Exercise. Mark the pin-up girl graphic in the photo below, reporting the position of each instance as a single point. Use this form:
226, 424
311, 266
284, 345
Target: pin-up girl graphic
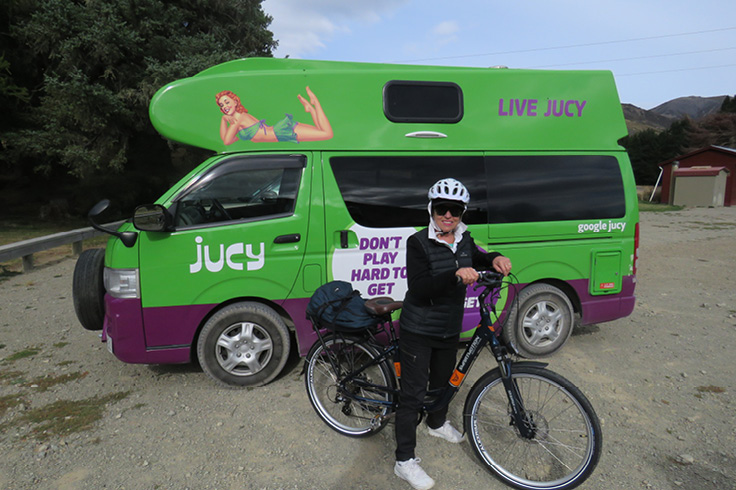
237, 124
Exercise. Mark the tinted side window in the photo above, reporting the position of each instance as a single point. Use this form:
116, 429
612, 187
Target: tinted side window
405, 101
242, 189
391, 191
551, 188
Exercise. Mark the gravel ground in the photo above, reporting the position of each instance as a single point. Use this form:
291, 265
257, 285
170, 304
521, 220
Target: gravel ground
662, 381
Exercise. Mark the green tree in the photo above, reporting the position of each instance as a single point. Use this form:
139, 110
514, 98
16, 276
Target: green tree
729, 104
81, 73
716, 129
648, 148
8, 87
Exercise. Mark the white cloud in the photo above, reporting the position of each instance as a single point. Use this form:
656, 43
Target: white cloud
444, 33
302, 27
446, 28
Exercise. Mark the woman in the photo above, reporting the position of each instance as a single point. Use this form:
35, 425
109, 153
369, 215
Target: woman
236, 124
441, 262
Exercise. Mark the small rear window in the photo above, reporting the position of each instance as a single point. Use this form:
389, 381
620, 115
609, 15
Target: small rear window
417, 102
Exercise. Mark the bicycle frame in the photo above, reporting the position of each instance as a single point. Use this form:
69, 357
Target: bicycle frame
485, 335
532, 428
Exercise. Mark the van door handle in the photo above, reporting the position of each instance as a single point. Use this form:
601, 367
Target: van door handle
293, 238
346, 239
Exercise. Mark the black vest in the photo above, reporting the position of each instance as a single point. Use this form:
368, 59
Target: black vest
442, 316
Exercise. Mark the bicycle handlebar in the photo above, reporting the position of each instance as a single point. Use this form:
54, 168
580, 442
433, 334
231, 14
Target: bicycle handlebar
489, 278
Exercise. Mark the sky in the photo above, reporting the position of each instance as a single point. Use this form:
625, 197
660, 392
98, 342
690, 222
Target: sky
657, 50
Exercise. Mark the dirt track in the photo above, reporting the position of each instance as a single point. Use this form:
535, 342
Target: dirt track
661, 380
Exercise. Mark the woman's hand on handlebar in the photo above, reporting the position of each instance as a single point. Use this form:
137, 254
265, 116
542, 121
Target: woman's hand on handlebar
502, 264
467, 275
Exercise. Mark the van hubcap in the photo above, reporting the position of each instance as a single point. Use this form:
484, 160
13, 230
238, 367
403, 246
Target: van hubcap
244, 349
542, 323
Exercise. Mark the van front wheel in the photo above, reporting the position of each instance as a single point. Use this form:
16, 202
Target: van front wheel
540, 322
244, 344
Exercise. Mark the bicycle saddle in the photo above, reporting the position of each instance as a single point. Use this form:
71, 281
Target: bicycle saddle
382, 305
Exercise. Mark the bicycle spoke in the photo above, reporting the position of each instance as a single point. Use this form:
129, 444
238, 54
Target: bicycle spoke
348, 403
562, 450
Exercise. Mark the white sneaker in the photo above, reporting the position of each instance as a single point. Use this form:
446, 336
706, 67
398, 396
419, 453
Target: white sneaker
447, 432
413, 473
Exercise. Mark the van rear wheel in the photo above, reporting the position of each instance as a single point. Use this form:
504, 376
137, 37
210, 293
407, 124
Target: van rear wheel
88, 290
540, 322
244, 344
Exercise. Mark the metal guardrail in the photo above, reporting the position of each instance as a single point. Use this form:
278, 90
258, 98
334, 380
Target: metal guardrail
26, 248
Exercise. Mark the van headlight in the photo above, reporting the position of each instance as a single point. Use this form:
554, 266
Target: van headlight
122, 283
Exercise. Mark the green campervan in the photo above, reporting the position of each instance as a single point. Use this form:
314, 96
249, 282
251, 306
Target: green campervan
319, 172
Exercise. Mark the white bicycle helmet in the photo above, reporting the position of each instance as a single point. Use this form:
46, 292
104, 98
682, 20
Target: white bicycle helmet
449, 189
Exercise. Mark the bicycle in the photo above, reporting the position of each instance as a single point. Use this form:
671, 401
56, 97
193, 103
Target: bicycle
529, 426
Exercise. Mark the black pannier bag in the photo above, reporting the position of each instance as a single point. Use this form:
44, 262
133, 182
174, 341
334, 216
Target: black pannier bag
337, 306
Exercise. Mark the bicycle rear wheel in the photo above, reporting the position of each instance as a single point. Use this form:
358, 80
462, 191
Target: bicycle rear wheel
566, 444
326, 365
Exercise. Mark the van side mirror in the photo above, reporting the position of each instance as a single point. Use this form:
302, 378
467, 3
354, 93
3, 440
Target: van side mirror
152, 217
127, 237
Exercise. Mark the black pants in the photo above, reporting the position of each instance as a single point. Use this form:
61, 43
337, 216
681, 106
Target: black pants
424, 361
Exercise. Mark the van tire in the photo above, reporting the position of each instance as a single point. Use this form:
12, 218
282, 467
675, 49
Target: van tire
540, 321
88, 289
244, 344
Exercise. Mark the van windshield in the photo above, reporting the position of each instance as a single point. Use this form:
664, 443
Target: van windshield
239, 193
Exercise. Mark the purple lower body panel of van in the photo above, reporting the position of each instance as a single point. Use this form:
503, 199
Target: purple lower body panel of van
598, 309
171, 341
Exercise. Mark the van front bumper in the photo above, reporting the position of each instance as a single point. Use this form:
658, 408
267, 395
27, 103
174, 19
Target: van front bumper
124, 325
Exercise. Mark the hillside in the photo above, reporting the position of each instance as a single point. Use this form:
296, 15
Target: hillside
695, 107
662, 116
638, 119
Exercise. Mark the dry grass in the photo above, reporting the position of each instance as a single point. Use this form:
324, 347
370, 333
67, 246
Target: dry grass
65, 417
711, 389
43, 383
22, 354
657, 207
9, 401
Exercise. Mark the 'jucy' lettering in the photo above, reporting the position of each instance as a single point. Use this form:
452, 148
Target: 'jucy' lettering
528, 108
227, 256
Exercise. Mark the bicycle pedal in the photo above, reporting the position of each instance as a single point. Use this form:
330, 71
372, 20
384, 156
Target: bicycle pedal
378, 420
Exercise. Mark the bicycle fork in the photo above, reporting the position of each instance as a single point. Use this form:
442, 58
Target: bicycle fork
519, 416
484, 335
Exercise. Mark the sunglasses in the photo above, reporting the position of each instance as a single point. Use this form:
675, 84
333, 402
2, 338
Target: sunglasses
455, 210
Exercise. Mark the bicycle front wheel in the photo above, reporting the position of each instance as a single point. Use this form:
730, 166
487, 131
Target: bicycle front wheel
326, 366
566, 434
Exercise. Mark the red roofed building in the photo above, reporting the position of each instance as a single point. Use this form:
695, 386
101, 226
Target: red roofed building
709, 162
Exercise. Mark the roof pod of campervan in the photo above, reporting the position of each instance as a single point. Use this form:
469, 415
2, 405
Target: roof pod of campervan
265, 104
